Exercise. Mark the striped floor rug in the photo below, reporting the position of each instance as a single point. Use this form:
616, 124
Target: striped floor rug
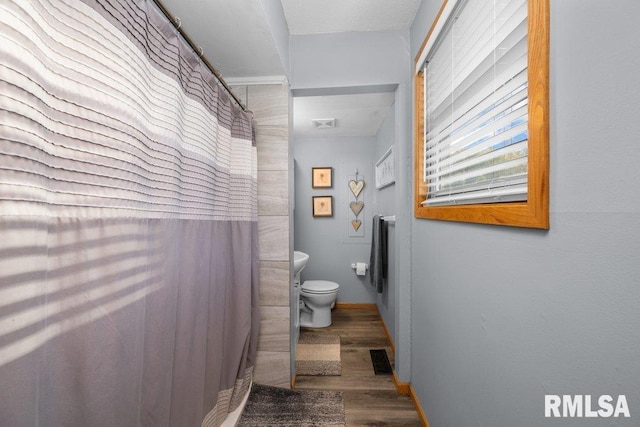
318, 354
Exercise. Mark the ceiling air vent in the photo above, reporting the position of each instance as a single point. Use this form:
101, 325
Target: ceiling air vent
323, 123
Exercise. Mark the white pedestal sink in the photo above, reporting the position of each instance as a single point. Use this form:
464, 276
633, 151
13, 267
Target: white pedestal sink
300, 259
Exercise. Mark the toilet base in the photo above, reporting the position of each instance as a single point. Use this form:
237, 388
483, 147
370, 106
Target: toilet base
315, 318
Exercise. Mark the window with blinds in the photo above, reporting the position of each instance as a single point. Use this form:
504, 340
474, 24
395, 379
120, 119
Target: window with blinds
475, 104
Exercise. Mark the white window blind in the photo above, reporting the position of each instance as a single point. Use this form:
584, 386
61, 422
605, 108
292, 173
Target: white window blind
476, 103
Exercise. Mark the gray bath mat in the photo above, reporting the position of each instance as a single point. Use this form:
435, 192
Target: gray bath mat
275, 406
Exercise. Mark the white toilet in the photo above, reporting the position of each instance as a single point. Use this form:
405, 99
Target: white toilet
319, 297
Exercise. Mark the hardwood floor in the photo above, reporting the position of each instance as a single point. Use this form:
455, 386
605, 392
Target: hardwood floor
369, 399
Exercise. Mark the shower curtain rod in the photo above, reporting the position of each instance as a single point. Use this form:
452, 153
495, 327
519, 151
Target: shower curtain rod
198, 51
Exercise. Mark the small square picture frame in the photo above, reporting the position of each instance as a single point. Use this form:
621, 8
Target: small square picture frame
322, 206
322, 177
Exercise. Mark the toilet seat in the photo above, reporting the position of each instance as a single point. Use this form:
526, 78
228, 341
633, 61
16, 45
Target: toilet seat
319, 287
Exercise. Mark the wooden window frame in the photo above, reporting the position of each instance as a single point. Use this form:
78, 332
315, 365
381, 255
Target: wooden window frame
534, 213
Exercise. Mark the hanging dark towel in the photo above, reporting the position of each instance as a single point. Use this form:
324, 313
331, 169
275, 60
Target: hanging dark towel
378, 260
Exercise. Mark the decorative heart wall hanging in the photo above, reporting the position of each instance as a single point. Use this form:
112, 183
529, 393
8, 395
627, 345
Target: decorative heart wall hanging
356, 187
356, 223
356, 207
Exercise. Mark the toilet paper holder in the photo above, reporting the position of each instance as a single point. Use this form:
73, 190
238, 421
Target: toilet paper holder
362, 264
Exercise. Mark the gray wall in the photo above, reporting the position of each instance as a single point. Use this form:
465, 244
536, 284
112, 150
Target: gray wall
279, 30
341, 61
385, 204
349, 60
502, 316
331, 250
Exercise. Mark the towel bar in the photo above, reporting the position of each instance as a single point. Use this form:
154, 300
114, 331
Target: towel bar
389, 218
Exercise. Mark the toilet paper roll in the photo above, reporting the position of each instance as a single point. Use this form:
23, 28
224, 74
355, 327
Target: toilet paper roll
361, 269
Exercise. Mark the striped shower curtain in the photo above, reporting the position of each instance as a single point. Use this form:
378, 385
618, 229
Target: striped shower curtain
128, 223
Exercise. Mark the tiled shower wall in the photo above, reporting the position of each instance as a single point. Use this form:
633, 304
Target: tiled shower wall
270, 106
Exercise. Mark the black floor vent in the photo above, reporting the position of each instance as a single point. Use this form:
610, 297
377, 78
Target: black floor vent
381, 365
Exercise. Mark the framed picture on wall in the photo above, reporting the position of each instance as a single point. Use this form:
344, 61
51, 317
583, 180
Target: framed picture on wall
322, 206
322, 177
385, 173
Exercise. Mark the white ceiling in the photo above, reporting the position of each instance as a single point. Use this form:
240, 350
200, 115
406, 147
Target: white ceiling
338, 16
236, 39
234, 35
355, 114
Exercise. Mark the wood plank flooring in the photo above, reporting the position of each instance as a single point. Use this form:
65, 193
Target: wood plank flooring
369, 399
